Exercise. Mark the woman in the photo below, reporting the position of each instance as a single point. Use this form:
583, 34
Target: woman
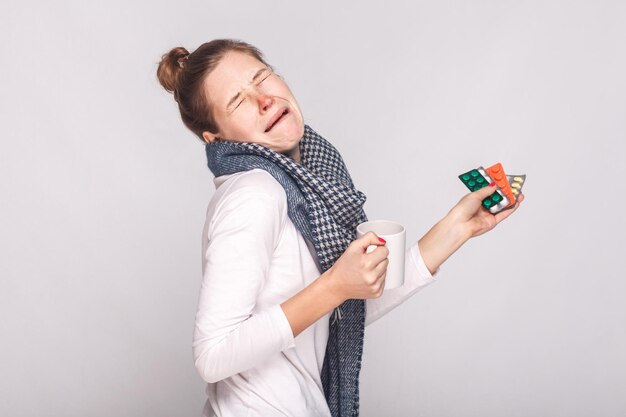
279, 247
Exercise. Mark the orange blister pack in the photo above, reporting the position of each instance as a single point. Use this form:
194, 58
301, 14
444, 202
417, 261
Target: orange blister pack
496, 172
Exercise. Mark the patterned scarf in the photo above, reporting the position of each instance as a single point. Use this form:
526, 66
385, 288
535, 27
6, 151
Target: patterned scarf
326, 208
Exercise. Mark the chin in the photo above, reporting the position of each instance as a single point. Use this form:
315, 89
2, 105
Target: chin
293, 133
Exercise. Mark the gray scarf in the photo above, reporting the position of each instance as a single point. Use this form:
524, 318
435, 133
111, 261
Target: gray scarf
326, 208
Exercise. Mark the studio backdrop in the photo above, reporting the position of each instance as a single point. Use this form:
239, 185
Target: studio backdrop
103, 197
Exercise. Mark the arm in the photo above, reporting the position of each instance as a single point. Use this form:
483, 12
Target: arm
464, 221
230, 335
423, 260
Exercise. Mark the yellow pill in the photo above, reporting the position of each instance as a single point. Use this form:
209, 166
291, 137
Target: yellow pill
514, 191
518, 179
516, 185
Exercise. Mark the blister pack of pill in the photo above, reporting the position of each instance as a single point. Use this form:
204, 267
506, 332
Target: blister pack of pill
508, 187
517, 182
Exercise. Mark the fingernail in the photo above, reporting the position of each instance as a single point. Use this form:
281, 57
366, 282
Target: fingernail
382, 240
492, 184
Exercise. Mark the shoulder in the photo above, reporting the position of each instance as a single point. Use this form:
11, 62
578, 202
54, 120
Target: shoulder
255, 181
254, 193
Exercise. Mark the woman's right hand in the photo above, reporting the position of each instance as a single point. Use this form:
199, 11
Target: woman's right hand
357, 274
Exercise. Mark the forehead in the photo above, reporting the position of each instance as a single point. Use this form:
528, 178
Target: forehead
233, 71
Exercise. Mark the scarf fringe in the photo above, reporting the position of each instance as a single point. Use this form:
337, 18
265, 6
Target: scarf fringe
336, 315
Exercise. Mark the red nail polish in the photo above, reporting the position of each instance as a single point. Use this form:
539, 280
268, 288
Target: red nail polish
382, 240
492, 184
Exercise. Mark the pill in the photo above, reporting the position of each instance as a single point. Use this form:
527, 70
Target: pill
517, 182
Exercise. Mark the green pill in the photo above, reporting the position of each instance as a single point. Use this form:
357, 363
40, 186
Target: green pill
474, 173
471, 183
466, 177
497, 197
487, 203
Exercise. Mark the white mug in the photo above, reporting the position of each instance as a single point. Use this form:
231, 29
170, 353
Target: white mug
395, 235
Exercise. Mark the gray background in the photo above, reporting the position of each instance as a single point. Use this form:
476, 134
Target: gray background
104, 194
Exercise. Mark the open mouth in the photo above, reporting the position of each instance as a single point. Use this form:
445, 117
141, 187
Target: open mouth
281, 117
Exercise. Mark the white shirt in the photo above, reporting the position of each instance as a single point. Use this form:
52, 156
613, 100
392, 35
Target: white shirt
253, 260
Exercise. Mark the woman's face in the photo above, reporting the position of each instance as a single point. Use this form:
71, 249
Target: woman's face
250, 103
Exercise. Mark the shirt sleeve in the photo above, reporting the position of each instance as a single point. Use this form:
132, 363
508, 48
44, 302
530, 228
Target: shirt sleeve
230, 335
416, 277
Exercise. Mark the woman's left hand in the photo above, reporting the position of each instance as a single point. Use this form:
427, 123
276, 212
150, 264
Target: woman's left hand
475, 219
465, 220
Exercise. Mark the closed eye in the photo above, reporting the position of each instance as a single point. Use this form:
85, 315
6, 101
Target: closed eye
257, 84
264, 79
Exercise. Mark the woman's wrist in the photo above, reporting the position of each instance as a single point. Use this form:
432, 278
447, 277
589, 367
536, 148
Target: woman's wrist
441, 241
329, 284
311, 303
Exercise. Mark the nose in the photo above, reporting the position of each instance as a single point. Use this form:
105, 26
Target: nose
265, 102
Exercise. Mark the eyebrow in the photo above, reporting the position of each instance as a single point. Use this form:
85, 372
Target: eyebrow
236, 96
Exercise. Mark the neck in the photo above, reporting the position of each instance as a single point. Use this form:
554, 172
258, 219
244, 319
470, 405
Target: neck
294, 153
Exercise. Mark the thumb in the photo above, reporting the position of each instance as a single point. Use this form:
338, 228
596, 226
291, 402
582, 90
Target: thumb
485, 191
370, 238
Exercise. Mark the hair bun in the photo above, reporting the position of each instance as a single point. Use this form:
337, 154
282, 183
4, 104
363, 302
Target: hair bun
171, 67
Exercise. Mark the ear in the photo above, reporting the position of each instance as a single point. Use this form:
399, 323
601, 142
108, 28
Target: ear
209, 137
